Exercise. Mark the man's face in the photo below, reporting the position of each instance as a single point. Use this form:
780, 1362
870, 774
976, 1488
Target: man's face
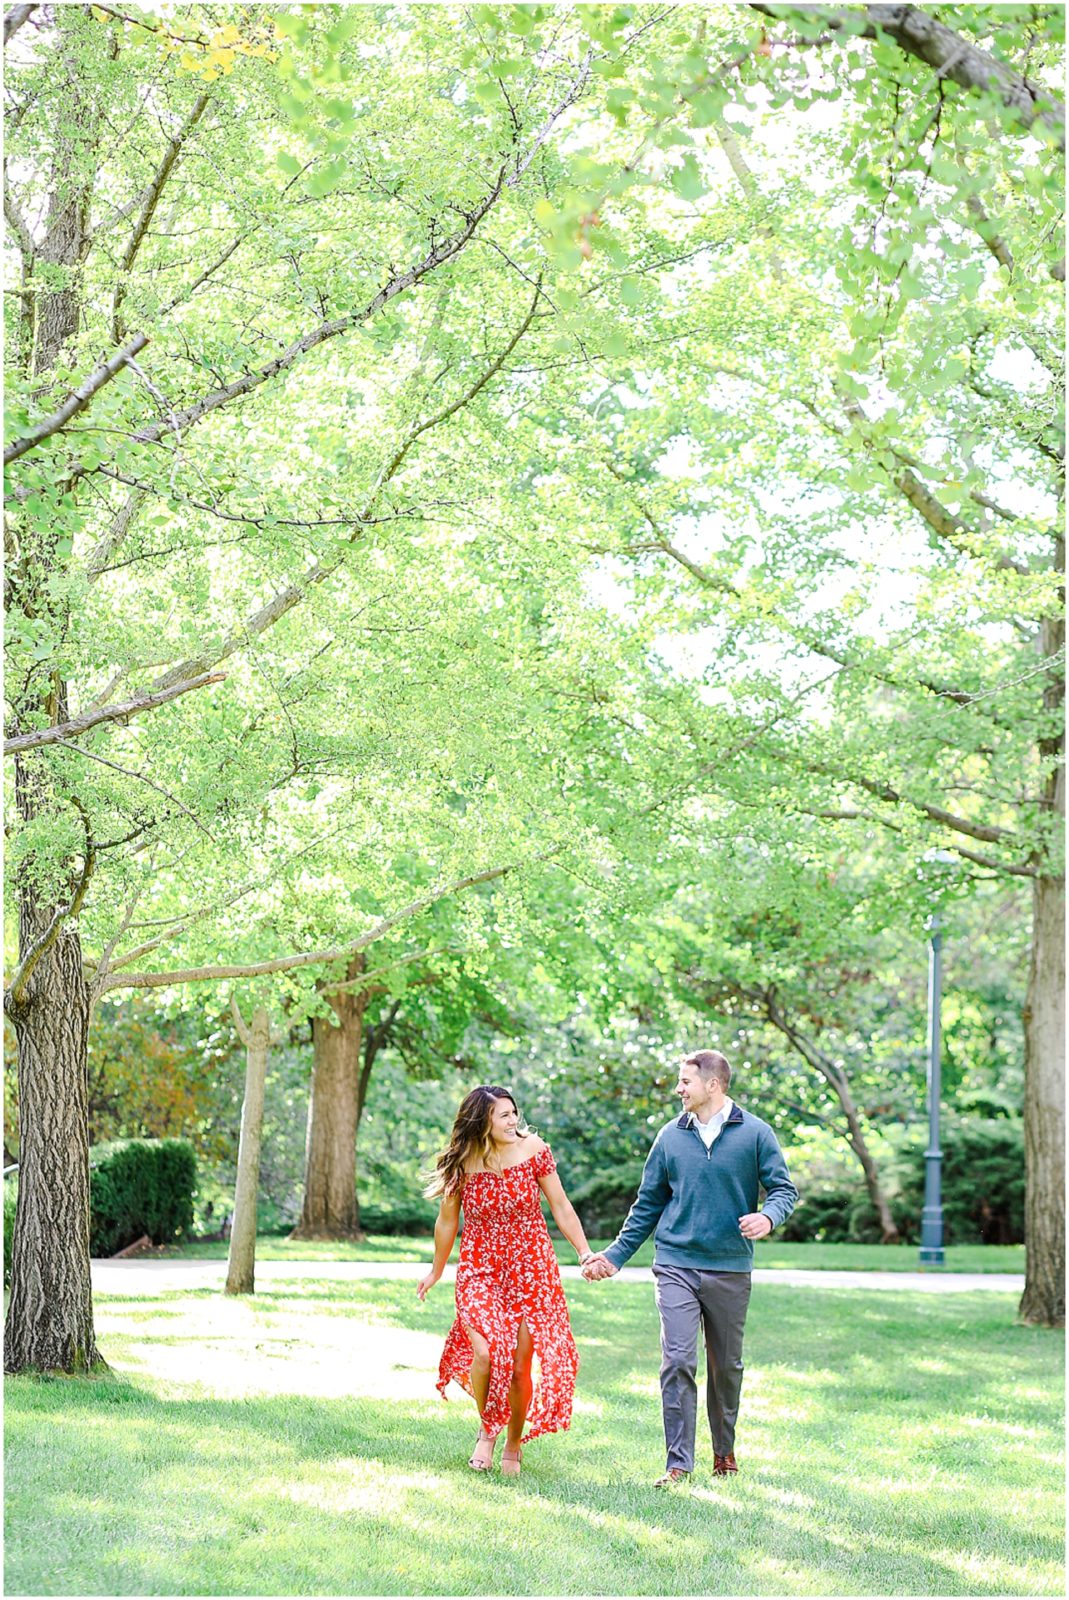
694, 1090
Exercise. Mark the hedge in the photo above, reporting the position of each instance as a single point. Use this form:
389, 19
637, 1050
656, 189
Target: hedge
982, 1191
137, 1187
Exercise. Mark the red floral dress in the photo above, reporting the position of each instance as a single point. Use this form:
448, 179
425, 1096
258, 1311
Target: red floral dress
507, 1274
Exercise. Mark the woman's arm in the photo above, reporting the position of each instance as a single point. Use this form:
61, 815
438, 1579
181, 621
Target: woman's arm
445, 1233
564, 1214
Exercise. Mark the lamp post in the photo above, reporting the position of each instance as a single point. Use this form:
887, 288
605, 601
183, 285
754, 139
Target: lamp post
932, 1213
931, 1253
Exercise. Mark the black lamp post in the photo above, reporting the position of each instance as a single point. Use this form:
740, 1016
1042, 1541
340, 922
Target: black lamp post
932, 1253
932, 1213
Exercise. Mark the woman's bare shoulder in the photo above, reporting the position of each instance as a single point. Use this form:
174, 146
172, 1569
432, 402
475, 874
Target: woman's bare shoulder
532, 1144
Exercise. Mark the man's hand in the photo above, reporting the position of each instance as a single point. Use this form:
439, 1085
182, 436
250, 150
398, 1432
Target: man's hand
755, 1225
598, 1267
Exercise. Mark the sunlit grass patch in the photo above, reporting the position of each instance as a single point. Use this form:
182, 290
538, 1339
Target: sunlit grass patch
293, 1443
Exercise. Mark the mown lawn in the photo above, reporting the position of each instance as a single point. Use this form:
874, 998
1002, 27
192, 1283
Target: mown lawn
293, 1443
814, 1257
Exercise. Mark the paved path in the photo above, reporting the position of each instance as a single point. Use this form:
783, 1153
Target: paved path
150, 1277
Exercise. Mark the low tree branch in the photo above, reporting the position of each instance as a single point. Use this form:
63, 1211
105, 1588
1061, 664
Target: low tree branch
16, 991
77, 401
117, 713
290, 963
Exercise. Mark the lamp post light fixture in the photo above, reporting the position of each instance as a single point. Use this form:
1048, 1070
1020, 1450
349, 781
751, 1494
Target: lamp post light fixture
931, 1252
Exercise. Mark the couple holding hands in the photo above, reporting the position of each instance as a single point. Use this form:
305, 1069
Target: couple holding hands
699, 1192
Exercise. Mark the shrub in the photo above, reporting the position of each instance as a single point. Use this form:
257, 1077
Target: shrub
603, 1201
982, 1181
414, 1218
820, 1218
139, 1186
982, 1191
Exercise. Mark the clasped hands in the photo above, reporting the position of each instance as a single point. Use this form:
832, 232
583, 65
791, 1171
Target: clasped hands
754, 1225
597, 1267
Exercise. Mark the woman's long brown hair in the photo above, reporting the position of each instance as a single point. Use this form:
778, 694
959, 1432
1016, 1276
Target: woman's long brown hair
470, 1138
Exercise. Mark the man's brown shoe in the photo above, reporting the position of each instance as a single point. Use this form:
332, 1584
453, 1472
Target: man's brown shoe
673, 1476
722, 1465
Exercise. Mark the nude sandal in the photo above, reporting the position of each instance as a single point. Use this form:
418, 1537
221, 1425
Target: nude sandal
510, 1461
479, 1463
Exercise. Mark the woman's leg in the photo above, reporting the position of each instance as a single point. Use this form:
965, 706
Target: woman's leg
483, 1454
520, 1388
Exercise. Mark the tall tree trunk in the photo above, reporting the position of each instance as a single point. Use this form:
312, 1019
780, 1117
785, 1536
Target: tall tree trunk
241, 1260
330, 1209
50, 1317
1043, 1300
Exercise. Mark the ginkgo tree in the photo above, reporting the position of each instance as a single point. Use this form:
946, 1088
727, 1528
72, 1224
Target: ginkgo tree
308, 284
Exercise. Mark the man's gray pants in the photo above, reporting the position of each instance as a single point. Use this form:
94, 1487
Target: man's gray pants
717, 1301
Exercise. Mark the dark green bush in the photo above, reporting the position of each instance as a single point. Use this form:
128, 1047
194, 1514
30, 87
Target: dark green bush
982, 1182
140, 1186
982, 1191
820, 1218
414, 1218
603, 1201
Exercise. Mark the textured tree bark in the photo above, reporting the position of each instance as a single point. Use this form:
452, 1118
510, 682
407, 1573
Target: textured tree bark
50, 1318
1043, 1300
241, 1260
330, 1209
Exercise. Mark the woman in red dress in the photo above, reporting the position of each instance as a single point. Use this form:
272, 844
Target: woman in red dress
511, 1308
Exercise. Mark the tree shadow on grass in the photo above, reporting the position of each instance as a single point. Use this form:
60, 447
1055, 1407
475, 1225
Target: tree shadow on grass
286, 1495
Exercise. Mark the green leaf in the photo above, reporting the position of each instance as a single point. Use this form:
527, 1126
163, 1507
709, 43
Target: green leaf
321, 183
687, 180
288, 164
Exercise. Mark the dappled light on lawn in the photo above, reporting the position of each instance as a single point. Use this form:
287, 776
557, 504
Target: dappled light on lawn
230, 1348
292, 1443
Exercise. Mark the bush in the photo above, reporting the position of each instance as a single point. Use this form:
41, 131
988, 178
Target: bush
414, 1218
982, 1184
604, 1200
983, 1181
820, 1218
139, 1186
11, 1193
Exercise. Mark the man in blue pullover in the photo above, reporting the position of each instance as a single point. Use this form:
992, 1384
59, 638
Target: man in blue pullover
700, 1191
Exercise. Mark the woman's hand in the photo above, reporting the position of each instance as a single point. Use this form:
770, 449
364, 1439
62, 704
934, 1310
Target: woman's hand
427, 1283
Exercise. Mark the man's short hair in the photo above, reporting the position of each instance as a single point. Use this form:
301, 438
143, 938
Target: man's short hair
710, 1064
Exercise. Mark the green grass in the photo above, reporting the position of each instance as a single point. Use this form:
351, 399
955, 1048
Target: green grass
819, 1257
293, 1443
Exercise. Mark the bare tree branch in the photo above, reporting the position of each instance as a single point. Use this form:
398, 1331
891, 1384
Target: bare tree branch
120, 713
77, 401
